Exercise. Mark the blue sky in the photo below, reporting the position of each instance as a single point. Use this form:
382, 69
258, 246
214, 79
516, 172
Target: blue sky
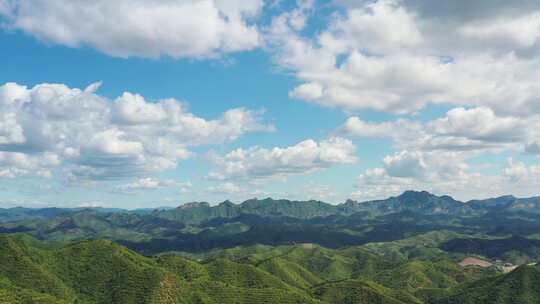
288, 99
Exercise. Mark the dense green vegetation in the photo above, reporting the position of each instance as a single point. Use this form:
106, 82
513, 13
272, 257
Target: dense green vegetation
515, 249
520, 286
103, 272
361, 292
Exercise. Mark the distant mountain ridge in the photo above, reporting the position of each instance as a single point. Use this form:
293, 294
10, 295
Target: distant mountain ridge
420, 202
201, 211
200, 226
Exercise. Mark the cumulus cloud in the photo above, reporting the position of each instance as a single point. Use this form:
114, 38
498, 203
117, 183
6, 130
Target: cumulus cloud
436, 155
480, 124
479, 129
406, 164
90, 137
446, 173
13, 164
461, 129
10, 131
171, 118
392, 56
260, 163
381, 26
124, 28
426, 166
442, 173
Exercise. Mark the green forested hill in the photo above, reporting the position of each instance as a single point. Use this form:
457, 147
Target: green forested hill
361, 292
521, 286
103, 272
414, 275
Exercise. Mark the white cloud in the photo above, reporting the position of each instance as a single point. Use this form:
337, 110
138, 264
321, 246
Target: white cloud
307, 91
295, 18
440, 173
93, 204
260, 163
446, 174
521, 179
480, 124
533, 147
153, 184
10, 131
226, 188
171, 117
519, 172
437, 154
390, 56
379, 26
479, 57
133, 109
376, 184
427, 166
13, 164
406, 164
124, 28
234, 191
475, 129
505, 33
479, 129
95, 138
317, 191
110, 142
399, 130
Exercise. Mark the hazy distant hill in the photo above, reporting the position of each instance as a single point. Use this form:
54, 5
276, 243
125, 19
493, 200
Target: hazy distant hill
420, 202
198, 212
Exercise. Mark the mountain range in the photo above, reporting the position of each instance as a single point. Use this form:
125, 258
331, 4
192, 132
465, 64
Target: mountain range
413, 248
199, 226
421, 202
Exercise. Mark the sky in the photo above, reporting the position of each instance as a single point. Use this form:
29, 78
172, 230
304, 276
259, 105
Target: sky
143, 104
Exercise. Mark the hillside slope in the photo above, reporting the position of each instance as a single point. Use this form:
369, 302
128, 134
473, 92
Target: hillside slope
103, 272
100, 271
519, 286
